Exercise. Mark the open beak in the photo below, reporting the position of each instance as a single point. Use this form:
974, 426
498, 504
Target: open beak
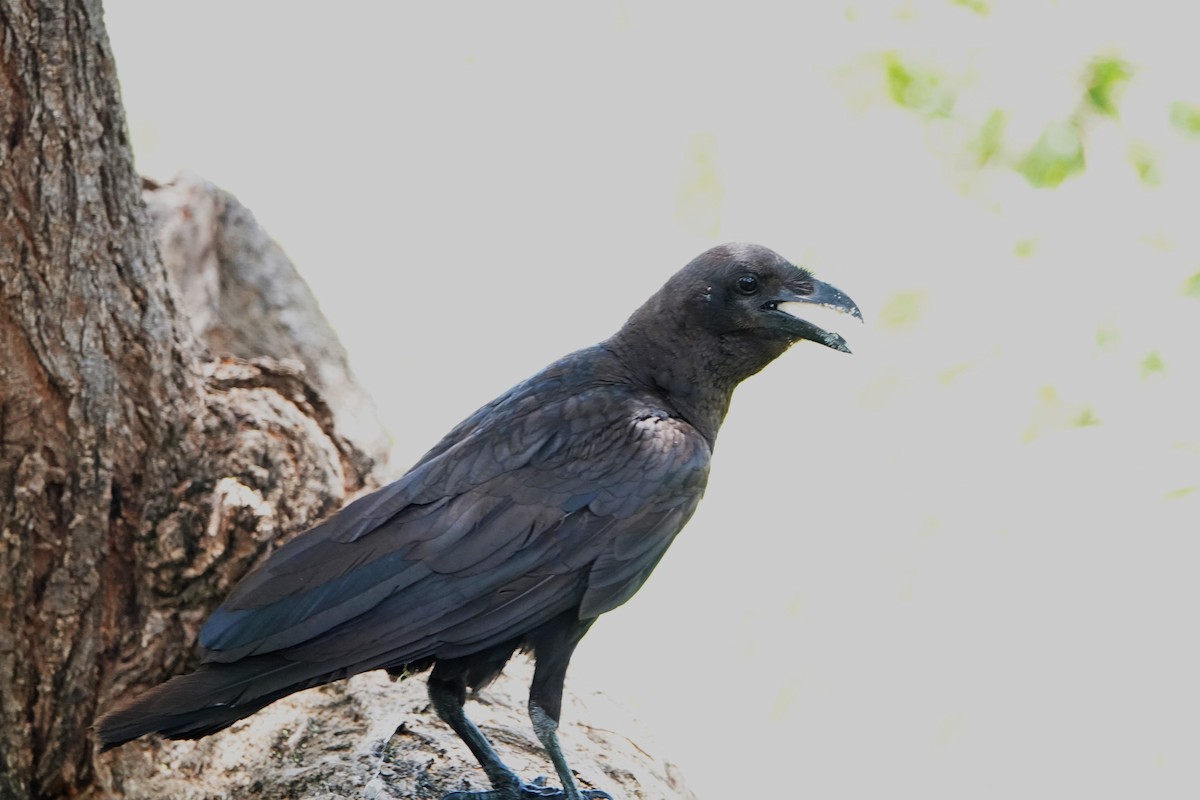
802, 309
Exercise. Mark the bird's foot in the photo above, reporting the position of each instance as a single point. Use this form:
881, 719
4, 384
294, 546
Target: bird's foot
538, 790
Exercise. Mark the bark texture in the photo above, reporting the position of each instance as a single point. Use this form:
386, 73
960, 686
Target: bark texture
138, 478
244, 298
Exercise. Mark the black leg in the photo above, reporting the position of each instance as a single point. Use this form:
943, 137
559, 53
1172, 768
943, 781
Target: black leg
546, 728
552, 644
553, 647
448, 696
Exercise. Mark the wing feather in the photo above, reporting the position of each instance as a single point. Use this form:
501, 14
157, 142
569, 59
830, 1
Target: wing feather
532, 506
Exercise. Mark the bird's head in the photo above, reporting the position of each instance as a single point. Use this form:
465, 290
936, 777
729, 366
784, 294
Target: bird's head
744, 290
722, 318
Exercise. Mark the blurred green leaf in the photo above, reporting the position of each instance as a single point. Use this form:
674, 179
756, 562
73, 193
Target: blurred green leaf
1051, 412
1143, 160
1181, 492
1191, 287
1160, 241
1105, 79
1025, 248
919, 89
1186, 118
978, 6
902, 309
990, 139
1153, 365
1108, 337
1057, 155
947, 376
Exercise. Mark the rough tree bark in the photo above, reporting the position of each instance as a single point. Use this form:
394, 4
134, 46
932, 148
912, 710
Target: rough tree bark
138, 478
244, 298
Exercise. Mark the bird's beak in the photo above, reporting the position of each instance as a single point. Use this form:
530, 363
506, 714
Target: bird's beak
801, 309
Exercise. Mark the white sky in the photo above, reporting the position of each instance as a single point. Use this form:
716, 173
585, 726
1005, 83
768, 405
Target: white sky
912, 575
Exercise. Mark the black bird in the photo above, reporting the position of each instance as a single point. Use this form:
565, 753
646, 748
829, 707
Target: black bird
544, 509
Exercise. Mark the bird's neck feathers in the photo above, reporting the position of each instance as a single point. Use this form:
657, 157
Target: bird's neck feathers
670, 349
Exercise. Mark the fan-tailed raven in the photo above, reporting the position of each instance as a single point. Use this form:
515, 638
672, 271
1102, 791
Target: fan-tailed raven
544, 509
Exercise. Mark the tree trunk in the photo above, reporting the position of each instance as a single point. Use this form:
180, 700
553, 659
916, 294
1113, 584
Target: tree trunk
138, 478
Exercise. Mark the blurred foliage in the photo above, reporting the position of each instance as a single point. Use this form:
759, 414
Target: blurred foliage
1181, 492
1086, 130
1141, 155
1057, 156
1105, 79
1186, 118
1060, 152
1025, 248
948, 376
916, 87
1051, 412
989, 142
1152, 365
1108, 337
978, 6
902, 310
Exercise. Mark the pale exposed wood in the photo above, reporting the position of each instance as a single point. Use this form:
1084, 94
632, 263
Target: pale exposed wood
244, 298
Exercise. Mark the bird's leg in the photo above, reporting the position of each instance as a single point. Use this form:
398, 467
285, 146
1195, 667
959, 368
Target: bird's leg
448, 697
553, 644
546, 728
553, 647
448, 694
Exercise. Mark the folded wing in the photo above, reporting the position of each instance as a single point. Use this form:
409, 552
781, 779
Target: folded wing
542, 507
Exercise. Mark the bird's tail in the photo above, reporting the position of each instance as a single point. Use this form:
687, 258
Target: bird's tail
190, 706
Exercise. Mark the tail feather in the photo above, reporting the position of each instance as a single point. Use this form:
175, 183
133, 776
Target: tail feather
208, 700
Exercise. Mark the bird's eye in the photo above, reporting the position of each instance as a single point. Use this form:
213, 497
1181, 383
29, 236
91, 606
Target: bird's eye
747, 284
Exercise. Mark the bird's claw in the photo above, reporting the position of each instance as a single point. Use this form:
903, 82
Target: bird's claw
538, 790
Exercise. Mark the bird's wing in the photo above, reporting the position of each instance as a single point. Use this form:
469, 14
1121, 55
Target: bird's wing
535, 507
